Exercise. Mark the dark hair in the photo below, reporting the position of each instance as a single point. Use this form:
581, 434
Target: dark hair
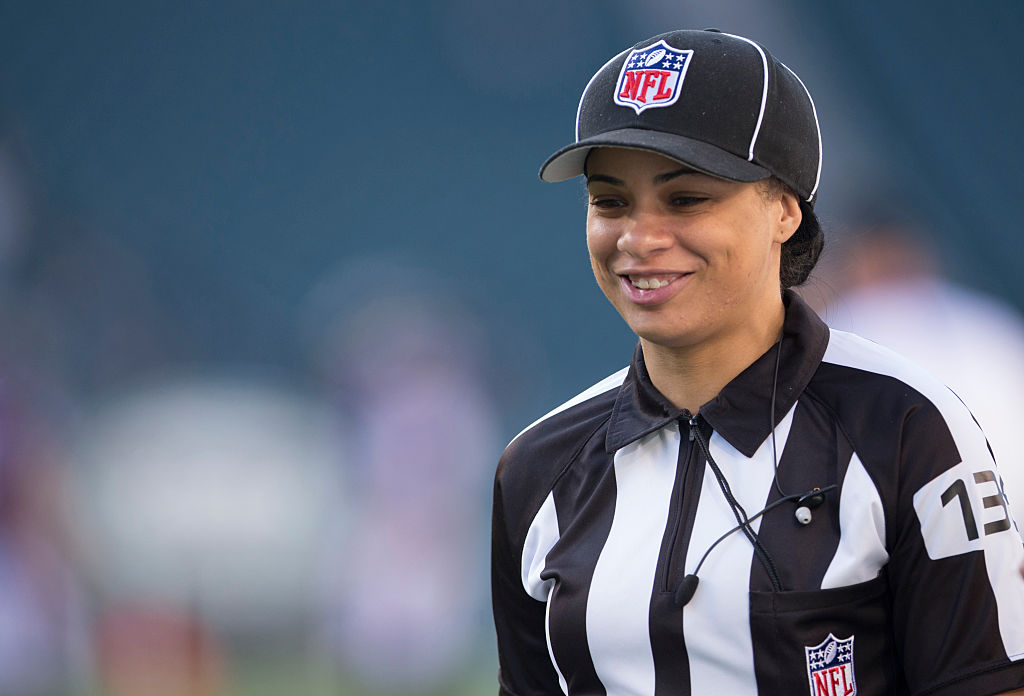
800, 252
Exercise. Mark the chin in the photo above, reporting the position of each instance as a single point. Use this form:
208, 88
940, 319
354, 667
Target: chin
668, 341
666, 337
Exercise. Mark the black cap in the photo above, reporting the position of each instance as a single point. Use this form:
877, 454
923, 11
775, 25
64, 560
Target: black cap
717, 102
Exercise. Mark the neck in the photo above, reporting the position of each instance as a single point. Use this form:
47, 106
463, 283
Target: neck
690, 376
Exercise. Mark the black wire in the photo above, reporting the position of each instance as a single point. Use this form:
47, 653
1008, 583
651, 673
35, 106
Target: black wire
737, 510
771, 419
772, 506
795, 496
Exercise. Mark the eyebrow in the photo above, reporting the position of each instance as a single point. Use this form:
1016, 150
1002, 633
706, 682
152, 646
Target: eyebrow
658, 179
668, 176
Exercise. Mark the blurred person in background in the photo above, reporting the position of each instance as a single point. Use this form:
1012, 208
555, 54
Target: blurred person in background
204, 499
406, 584
886, 283
43, 608
43, 620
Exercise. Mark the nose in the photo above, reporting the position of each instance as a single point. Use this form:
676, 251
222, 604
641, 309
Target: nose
644, 234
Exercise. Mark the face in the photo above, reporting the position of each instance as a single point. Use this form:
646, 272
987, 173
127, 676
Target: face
684, 257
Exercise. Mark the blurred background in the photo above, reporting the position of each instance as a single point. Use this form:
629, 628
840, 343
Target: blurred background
278, 282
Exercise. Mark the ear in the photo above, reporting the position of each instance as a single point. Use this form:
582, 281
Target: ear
789, 216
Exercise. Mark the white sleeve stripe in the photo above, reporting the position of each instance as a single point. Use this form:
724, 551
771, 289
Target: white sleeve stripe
850, 350
541, 536
562, 683
1003, 551
607, 384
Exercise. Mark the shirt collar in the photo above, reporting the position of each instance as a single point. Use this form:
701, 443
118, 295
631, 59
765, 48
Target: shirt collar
740, 411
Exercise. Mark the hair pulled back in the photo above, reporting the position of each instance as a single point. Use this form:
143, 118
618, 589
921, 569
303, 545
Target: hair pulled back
800, 252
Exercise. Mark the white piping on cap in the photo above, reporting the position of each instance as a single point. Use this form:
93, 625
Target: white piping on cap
817, 127
764, 93
579, 109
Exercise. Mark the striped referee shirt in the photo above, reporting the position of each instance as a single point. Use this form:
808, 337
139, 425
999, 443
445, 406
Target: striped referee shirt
904, 581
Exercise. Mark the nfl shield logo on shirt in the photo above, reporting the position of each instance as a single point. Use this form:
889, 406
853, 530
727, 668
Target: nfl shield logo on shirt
652, 77
830, 667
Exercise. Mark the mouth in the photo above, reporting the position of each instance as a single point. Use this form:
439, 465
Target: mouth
651, 282
651, 289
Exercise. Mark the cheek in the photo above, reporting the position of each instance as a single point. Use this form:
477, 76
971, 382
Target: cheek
751, 249
600, 243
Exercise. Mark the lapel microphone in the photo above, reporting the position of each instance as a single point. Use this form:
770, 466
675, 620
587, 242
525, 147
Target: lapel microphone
807, 502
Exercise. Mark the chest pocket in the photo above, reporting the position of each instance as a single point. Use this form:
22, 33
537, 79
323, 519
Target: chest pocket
835, 642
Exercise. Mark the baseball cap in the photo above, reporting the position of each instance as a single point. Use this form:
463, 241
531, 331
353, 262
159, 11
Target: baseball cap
717, 102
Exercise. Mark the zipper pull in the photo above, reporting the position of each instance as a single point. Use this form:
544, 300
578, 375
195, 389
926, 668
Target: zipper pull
693, 427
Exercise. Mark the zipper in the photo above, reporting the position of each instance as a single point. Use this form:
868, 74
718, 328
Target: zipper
684, 470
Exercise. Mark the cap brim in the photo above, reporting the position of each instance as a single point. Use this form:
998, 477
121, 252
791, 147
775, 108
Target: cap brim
568, 162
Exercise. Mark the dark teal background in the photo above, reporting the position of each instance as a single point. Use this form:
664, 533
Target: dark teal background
235, 153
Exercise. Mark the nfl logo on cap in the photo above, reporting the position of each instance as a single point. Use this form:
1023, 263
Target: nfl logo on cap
652, 77
830, 667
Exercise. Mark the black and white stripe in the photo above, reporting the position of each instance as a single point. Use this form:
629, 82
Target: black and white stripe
603, 505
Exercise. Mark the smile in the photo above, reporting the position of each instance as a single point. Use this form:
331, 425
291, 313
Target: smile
650, 282
652, 289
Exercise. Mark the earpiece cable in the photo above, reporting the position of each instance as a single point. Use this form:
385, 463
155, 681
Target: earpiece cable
771, 419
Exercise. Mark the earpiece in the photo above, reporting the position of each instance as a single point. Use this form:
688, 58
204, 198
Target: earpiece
811, 499
807, 502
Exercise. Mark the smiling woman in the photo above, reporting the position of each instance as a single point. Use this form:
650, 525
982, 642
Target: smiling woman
691, 262
756, 504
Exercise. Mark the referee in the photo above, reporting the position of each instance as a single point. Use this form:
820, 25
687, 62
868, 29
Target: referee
757, 504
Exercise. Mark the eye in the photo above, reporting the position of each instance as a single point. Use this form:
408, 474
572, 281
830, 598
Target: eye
687, 201
606, 202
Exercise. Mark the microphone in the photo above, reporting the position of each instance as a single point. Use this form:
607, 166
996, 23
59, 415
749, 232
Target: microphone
809, 500
684, 593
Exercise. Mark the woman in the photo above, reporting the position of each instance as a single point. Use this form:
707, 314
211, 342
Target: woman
757, 504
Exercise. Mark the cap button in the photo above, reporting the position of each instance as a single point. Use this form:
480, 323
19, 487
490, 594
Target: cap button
717, 31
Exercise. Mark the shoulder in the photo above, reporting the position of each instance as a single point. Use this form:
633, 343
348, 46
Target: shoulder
533, 460
585, 401
953, 550
567, 424
881, 384
851, 351
907, 427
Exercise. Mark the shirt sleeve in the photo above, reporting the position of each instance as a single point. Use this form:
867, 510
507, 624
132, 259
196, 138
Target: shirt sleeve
958, 597
525, 667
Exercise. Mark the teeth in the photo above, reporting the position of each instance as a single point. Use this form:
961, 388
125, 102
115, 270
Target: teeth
648, 283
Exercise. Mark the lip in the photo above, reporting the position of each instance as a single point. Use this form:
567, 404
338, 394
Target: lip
654, 296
